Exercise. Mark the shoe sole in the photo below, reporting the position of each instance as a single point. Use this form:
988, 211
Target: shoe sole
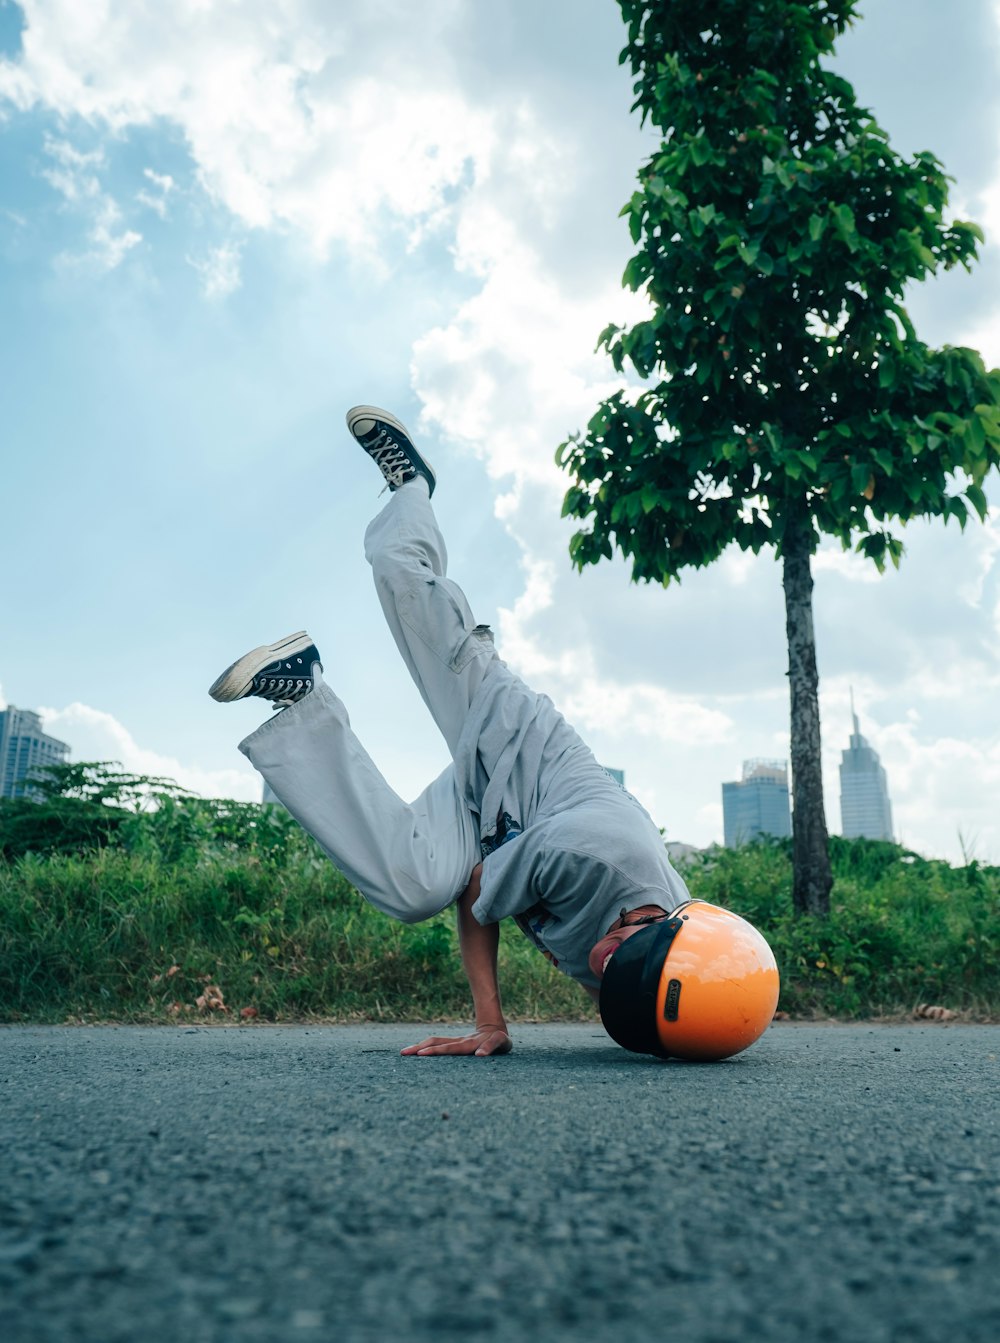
236, 680
377, 413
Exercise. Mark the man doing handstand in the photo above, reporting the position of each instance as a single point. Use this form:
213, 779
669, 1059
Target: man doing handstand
524, 823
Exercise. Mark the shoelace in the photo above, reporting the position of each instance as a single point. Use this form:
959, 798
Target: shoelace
391, 460
284, 691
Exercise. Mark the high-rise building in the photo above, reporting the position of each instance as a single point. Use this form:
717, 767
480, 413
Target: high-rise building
865, 809
23, 748
757, 804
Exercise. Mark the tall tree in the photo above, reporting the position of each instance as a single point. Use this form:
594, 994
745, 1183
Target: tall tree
787, 395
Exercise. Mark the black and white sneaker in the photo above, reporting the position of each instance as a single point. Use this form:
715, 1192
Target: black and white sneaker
389, 446
283, 672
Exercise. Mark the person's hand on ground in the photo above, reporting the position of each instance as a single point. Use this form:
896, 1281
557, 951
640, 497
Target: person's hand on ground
483, 1041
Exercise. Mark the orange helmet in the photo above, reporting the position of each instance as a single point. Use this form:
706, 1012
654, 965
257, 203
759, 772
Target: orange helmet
702, 984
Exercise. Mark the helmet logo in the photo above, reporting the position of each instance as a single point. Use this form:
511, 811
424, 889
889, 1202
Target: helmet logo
672, 1000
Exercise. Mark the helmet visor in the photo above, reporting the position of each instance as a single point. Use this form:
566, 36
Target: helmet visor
630, 984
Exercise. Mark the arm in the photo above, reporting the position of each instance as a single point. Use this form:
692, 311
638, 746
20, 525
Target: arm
478, 945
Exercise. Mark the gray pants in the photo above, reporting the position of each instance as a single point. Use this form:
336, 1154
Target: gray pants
408, 860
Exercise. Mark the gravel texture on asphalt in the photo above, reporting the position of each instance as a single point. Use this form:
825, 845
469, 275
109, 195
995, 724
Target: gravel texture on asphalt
287, 1183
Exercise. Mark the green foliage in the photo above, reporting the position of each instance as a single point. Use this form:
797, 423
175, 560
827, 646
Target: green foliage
281, 935
70, 808
75, 808
100, 783
124, 898
901, 930
151, 904
787, 395
776, 232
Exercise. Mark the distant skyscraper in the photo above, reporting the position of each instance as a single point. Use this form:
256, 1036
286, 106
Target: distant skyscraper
24, 747
757, 804
617, 774
865, 810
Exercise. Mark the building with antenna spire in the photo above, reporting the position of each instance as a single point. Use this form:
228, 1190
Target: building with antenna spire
865, 809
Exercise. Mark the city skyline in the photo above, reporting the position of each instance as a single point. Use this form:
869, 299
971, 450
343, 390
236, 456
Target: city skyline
216, 236
758, 804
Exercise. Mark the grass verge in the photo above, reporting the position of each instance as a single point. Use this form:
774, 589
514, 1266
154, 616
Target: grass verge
142, 937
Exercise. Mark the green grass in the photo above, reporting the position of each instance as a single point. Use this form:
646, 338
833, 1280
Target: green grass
902, 931
139, 932
98, 937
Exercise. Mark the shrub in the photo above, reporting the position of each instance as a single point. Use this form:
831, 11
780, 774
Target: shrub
124, 898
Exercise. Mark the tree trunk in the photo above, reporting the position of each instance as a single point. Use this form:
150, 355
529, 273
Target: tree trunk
810, 851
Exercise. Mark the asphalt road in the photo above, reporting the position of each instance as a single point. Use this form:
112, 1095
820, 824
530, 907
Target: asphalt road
833, 1183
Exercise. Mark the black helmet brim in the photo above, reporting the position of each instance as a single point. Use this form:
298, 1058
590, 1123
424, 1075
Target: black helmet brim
630, 985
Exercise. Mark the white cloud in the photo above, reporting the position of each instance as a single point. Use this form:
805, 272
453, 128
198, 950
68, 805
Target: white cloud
292, 118
294, 126
508, 376
650, 711
155, 203
109, 242
75, 173
983, 333
847, 563
710, 815
943, 787
3, 701
983, 542
75, 177
219, 269
94, 734
155, 196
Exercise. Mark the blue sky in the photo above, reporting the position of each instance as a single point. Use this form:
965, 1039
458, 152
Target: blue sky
221, 226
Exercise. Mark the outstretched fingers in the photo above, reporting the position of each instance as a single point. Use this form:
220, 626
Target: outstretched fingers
483, 1043
433, 1044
